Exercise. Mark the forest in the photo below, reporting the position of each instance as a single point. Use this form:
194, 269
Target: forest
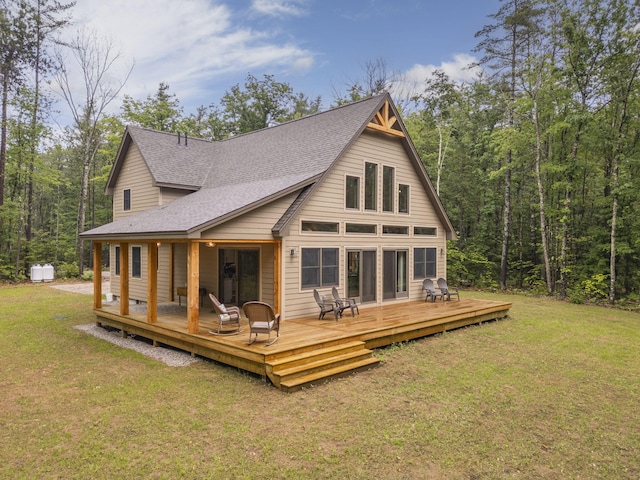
536, 161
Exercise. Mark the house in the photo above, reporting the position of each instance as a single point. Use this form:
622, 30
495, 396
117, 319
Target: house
338, 198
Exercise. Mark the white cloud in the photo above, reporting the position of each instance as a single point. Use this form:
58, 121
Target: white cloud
189, 44
459, 69
280, 7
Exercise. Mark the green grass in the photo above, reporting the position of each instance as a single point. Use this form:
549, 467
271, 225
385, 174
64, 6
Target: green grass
550, 392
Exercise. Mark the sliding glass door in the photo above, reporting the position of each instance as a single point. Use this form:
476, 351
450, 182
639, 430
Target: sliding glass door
361, 275
394, 274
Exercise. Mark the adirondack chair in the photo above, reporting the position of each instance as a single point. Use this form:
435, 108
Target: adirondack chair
228, 318
344, 303
430, 289
325, 306
262, 319
446, 291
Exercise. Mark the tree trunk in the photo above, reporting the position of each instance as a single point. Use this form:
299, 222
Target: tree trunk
543, 217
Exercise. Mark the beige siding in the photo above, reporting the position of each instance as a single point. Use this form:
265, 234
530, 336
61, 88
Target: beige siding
328, 205
134, 176
255, 225
170, 194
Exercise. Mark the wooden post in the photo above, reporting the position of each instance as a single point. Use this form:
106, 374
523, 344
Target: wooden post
97, 275
277, 273
193, 286
171, 271
124, 278
152, 282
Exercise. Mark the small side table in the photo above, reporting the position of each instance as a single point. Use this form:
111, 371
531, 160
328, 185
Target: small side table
182, 292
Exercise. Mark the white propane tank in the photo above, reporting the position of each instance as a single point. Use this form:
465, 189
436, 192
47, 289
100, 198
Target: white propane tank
48, 272
36, 273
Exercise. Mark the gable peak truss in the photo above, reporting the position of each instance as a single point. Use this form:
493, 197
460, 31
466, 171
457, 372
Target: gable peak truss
385, 121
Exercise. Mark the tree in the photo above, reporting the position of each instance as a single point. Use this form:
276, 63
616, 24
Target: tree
376, 79
46, 18
439, 99
260, 104
15, 44
95, 59
159, 112
503, 44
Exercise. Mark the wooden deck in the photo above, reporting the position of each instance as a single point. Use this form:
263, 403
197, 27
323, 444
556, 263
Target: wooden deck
309, 350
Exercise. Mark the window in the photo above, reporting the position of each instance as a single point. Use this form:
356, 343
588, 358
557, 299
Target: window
361, 228
387, 189
370, 186
320, 227
403, 198
431, 231
395, 230
117, 260
127, 200
136, 262
352, 193
424, 262
319, 267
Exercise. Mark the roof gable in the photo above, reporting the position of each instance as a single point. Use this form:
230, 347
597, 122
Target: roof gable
245, 170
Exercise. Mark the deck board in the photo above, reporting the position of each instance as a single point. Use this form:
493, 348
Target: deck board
376, 326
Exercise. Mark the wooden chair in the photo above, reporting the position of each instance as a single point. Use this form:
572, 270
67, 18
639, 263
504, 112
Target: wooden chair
325, 307
228, 318
446, 291
344, 303
430, 289
262, 319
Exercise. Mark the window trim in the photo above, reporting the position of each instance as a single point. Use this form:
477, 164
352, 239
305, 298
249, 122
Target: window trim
357, 192
391, 227
407, 195
416, 232
320, 267
126, 200
117, 260
319, 223
388, 190
134, 263
424, 269
371, 197
354, 224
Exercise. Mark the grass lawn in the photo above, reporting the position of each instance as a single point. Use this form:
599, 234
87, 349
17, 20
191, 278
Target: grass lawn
553, 391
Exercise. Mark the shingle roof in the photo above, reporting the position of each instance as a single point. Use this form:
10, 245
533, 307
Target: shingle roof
236, 174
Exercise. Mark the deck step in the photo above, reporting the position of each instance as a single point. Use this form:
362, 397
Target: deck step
315, 354
294, 371
296, 383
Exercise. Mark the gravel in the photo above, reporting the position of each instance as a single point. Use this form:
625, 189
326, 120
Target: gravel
173, 358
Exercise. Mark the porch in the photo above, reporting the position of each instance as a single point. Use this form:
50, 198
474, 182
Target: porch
309, 350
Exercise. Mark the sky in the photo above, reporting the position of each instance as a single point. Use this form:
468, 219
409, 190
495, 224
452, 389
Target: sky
202, 48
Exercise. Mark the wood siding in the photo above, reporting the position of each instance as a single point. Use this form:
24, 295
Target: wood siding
136, 177
328, 205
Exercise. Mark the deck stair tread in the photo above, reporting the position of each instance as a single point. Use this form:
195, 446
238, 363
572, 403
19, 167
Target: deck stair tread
300, 381
322, 363
310, 355
297, 370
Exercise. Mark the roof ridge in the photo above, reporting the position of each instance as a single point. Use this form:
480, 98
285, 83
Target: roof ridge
305, 117
153, 130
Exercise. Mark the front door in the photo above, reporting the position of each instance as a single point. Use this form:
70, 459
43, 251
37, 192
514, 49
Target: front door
239, 275
361, 275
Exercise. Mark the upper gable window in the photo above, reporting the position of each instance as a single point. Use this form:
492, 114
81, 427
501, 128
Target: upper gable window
126, 204
387, 189
352, 192
403, 198
329, 227
370, 186
431, 231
